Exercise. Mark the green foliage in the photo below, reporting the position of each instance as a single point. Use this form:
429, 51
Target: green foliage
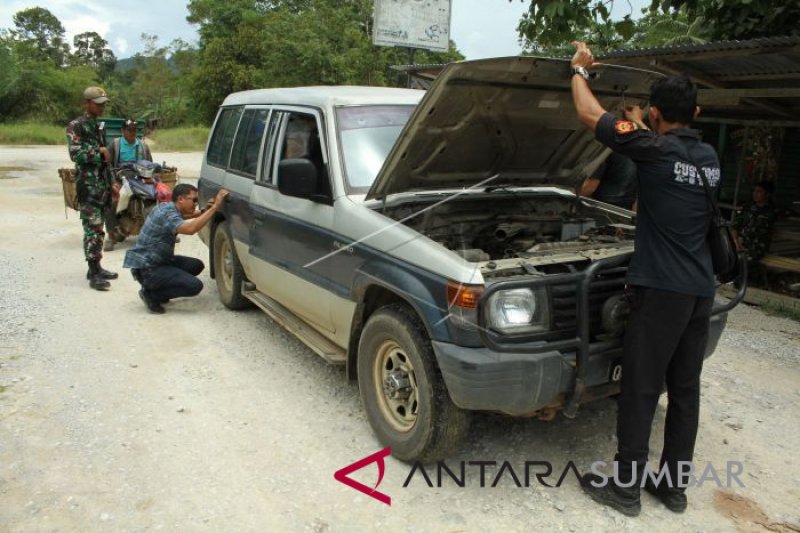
92, 50
740, 19
662, 29
32, 133
191, 139
158, 85
39, 90
40, 35
247, 45
552, 24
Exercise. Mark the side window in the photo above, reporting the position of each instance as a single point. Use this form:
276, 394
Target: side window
301, 140
301, 132
247, 145
220, 146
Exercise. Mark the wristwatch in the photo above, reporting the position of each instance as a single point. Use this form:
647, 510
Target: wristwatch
582, 72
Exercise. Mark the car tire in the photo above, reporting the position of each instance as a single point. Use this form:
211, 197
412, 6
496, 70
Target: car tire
228, 270
402, 389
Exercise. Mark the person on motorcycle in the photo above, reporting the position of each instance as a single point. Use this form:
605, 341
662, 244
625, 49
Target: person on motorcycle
126, 149
87, 148
129, 148
153, 263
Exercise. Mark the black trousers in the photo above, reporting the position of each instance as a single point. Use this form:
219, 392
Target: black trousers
174, 280
665, 341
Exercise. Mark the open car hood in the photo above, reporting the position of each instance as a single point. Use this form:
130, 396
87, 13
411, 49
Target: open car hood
511, 118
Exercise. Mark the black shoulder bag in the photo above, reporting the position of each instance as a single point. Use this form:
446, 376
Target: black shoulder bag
724, 257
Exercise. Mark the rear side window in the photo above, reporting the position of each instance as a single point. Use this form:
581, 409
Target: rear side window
220, 146
247, 145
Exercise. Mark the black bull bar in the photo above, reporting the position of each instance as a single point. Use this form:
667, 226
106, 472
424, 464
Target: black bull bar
579, 342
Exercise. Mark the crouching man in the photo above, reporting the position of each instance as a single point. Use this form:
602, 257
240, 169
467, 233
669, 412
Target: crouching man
153, 263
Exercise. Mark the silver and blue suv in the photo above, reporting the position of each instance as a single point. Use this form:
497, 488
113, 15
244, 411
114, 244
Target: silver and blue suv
431, 242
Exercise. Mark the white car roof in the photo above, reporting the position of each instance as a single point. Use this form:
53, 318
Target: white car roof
325, 96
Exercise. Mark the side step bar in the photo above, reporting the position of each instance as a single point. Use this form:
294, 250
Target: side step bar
321, 346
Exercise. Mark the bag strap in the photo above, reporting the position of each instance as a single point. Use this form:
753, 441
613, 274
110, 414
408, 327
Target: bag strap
706, 187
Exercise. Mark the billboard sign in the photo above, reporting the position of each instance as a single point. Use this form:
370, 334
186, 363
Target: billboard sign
412, 23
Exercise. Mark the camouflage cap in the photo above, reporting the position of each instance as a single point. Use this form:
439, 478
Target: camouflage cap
96, 95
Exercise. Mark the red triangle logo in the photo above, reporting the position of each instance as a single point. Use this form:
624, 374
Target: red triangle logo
342, 475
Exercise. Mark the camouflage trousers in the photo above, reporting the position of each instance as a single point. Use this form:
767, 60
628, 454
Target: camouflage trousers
92, 218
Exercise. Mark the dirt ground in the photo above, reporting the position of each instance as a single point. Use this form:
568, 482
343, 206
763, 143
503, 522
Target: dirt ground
112, 419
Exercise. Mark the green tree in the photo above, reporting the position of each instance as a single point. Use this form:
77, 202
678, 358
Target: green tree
36, 82
740, 19
158, 86
40, 35
92, 50
556, 22
251, 44
664, 29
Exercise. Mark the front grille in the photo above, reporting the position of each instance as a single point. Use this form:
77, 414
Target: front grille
606, 283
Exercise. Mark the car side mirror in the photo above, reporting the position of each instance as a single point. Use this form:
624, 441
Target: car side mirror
298, 178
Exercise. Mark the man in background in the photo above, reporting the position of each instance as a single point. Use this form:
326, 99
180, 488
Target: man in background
125, 149
87, 148
614, 182
752, 228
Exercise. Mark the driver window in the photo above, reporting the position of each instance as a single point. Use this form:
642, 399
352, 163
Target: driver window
301, 140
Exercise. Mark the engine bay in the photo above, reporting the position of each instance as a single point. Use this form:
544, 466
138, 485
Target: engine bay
503, 225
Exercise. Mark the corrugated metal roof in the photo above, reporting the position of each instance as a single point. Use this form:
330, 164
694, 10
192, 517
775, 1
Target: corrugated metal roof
717, 46
731, 75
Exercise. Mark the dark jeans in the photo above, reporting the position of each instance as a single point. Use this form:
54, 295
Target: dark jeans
177, 279
664, 343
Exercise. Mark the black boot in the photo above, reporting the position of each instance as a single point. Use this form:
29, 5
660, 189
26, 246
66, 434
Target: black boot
606, 491
96, 270
672, 497
96, 281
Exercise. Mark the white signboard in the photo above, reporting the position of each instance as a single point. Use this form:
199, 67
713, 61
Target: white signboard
412, 23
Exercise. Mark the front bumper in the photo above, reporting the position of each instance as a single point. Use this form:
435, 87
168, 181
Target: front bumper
518, 383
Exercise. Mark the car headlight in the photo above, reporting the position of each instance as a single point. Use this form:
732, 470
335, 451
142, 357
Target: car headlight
518, 311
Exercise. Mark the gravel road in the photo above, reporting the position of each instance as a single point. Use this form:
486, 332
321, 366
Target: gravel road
112, 419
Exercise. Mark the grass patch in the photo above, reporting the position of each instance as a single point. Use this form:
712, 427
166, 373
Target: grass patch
191, 139
179, 139
30, 133
784, 311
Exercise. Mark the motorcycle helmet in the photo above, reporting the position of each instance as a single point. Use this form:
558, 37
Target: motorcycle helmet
145, 168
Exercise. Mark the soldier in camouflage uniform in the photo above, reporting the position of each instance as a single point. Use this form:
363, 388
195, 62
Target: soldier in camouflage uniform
753, 225
87, 149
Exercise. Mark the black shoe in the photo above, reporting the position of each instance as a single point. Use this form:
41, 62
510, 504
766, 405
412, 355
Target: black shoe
98, 283
672, 498
96, 270
152, 305
624, 500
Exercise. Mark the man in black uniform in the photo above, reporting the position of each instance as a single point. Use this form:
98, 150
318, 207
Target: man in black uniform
670, 284
614, 182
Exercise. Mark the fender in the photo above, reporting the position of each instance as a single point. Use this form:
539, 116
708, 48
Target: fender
424, 291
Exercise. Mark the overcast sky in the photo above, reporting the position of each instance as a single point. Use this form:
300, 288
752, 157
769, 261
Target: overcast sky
480, 28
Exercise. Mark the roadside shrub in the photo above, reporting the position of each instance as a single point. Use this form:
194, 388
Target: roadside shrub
31, 133
190, 139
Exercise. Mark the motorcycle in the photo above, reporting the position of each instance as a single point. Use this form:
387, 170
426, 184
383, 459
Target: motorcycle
140, 191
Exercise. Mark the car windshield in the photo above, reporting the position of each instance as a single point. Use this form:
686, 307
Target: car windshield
367, 134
